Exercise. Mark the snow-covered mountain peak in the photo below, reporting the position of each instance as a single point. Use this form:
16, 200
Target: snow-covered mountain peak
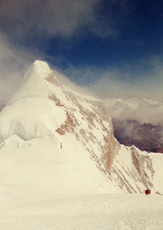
41, 68
74, 133
36, 82
42, 109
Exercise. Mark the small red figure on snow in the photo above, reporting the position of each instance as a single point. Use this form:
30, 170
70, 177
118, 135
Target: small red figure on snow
147, 191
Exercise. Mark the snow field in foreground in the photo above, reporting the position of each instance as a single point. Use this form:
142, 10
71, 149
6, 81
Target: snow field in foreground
43, 168
91, 212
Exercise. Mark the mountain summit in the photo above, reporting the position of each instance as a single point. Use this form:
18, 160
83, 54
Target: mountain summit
34, 82
57, 141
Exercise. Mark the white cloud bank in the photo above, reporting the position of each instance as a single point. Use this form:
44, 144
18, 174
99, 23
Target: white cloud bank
139, 109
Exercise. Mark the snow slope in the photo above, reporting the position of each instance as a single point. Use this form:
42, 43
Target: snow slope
40, 170
97, 212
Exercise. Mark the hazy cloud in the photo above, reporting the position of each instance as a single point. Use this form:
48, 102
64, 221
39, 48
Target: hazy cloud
144, 78
67, 83
13, 64
51, 17
136, 108
55, 18
137, 121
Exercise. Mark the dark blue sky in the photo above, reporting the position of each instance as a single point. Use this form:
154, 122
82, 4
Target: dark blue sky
122, 36
137, 28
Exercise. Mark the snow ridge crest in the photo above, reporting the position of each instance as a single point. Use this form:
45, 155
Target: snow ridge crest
41, 68
34, 83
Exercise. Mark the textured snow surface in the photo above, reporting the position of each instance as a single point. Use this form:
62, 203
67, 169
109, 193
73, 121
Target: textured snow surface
97, 212
43, 168
30, 118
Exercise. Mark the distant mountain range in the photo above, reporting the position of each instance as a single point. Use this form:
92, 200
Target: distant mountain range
146, 137
137, 121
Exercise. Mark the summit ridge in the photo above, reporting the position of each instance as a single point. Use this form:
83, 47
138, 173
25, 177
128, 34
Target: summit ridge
41, 68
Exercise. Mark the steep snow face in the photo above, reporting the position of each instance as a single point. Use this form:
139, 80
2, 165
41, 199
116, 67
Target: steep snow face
133, 170
33, 84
